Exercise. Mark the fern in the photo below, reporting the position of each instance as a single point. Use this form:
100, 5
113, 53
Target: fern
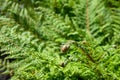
33, 34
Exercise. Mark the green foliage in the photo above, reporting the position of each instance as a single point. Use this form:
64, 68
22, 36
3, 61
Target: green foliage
33, 34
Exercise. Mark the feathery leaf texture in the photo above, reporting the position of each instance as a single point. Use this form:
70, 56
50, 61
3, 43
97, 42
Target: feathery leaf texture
32, 33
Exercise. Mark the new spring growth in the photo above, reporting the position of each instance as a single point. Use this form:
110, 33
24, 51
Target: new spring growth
66, 46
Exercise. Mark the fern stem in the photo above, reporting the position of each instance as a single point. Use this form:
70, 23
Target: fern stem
87, 54
87, 18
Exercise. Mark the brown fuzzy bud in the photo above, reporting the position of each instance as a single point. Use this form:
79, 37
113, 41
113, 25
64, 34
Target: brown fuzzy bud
65, 48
